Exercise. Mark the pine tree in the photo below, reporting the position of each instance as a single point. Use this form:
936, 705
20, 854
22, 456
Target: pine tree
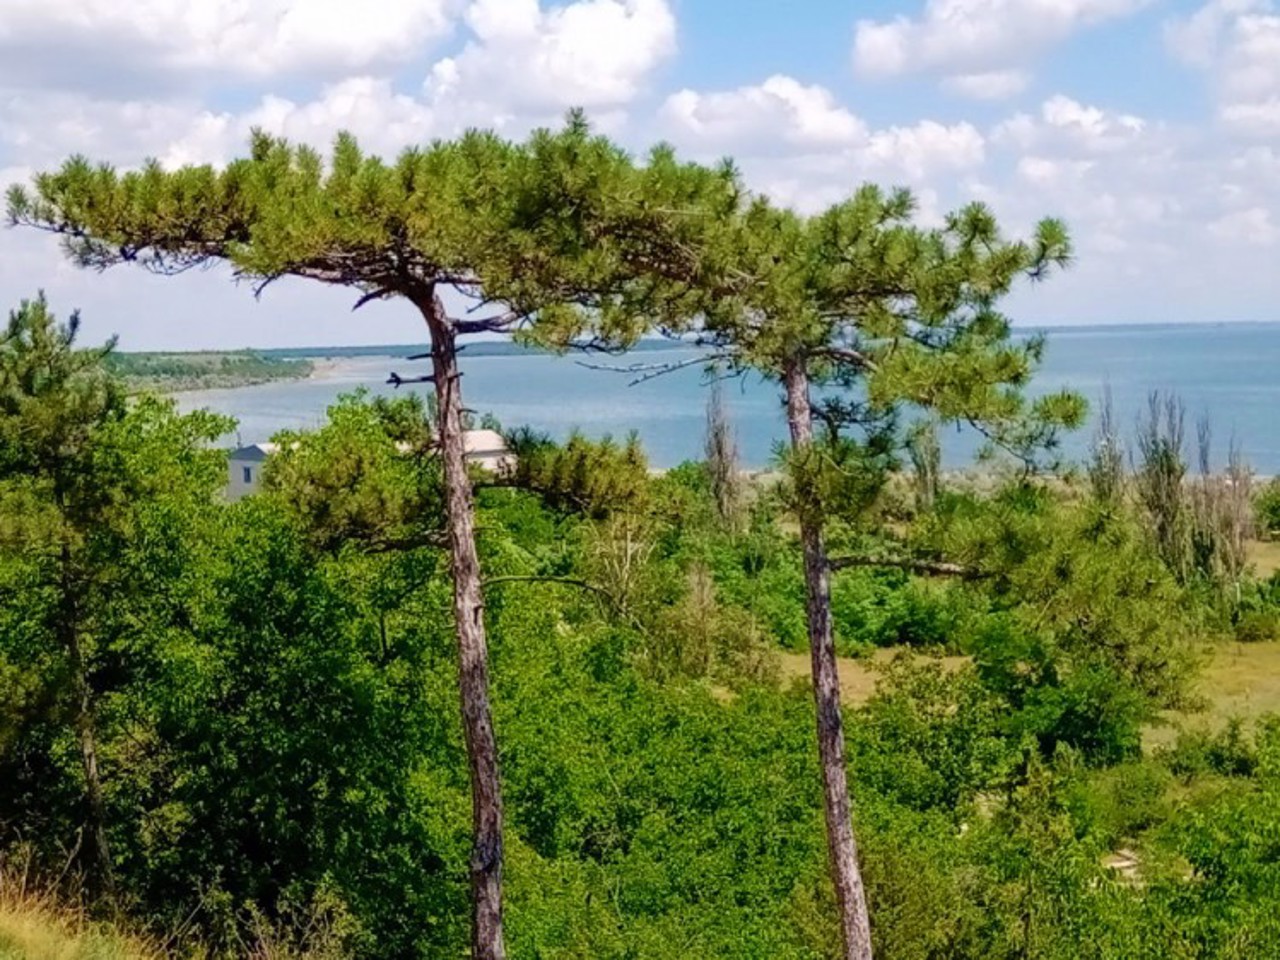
884, 315
54, 398
555, 237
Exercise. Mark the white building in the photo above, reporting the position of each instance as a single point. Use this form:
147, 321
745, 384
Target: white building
485, 448
244, 469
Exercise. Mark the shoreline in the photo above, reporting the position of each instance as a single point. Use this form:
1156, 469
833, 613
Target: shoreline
320, 370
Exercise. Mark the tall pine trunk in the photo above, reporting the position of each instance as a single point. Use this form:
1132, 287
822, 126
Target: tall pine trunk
842, 849
473, 655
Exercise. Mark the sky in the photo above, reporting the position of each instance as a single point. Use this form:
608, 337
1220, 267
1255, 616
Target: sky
1151, 126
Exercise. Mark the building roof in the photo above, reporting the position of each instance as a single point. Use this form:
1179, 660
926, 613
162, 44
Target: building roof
254, 452
474, 442
483, 441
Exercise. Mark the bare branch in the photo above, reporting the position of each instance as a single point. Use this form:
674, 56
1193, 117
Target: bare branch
651, 371
845, 355
395, 380
432, 539
936, 568
495, 324
564, 581
377, 293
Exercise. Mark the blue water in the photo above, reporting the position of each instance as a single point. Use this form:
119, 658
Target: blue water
1229, 372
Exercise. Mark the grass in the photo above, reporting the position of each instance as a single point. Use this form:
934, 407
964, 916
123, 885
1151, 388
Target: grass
1240, 681
858, 677
1265, 557
33, 928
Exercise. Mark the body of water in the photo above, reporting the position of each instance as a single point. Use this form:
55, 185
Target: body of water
1229, 372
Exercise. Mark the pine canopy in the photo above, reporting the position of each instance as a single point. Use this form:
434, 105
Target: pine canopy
564, 228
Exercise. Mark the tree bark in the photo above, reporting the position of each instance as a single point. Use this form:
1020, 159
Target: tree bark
842, 848
473, 656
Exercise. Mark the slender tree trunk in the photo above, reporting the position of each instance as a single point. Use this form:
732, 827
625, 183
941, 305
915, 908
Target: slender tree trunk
842, 849
99, 859
473, 655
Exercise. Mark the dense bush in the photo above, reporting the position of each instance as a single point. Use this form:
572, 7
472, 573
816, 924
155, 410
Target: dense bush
275, 710
1267, 508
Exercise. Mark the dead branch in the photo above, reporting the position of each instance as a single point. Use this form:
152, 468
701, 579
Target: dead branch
937, 568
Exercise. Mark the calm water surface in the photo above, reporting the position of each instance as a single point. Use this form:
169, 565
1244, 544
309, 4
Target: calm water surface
1229, 371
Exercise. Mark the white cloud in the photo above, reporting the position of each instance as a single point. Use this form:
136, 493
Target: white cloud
1095, 127
1067, 124
42, 129
1145, 198
1161, 214
981, 47
247, 38
1044, 172
994, 85
592, 53
1237, 43
926, 148
1253, 225
798, 144
1197, 39
781, 108
523, 66
383, 120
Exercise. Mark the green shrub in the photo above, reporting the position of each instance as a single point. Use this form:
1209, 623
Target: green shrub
1267, 508
1257, 626
1227, 753
1117, 804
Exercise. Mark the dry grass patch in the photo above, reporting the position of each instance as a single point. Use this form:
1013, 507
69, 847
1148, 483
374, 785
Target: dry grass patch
1264, 555
33, 928
858, 676
1241, 680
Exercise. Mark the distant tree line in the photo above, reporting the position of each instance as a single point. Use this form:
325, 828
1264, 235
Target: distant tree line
204, 370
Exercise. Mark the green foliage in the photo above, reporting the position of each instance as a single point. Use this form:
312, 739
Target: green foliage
866, 298
367, 479
1117, 805
202, 371
592, 477
931, 739
102, 507
1227, 753
1256, 611
286, 739
565, 226
299, 741
271, 684
1229, 907
1089, 632
886, 607
1267, 508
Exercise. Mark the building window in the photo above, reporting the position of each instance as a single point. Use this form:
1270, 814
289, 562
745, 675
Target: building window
248, 475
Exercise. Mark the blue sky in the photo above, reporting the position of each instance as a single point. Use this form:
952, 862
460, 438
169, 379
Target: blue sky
1151, 126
